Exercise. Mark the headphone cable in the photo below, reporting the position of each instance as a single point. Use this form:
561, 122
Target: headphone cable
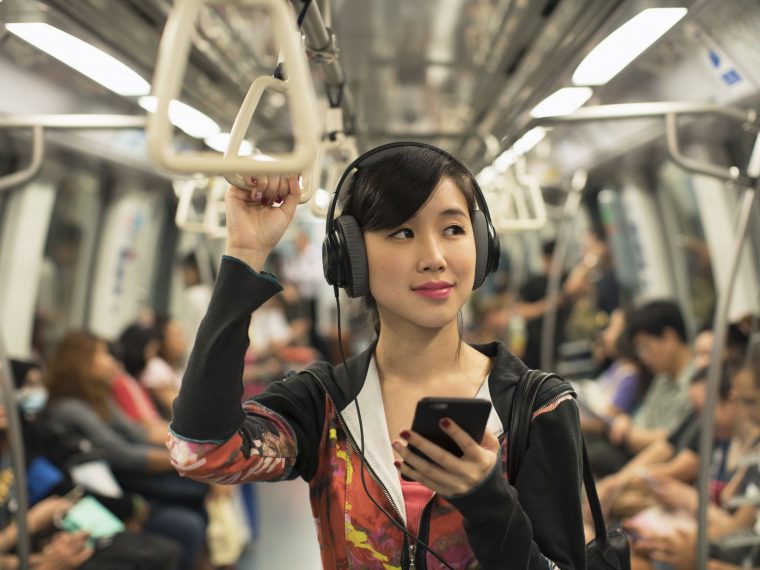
363, 459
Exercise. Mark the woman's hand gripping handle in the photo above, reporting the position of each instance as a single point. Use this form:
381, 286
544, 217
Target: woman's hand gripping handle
257, 218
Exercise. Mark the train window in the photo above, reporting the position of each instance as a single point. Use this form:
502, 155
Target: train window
689, 249
64, 275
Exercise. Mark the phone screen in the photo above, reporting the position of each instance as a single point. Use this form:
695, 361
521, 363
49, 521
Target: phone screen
471, 414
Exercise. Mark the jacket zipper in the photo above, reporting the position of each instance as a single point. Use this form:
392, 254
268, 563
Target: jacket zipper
351, 441
554, 399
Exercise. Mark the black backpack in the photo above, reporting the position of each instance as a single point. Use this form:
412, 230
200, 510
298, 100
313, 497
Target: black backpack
610, 549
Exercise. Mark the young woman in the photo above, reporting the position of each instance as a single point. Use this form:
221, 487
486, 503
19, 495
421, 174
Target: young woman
412, 229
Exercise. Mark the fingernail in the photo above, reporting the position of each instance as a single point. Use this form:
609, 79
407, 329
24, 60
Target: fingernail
277, 199
264, 201
252, 181
397, 464
445, 423
405, 434
257, 196
397, 446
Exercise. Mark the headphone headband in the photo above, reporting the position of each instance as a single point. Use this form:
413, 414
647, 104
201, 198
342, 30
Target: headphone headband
371, 156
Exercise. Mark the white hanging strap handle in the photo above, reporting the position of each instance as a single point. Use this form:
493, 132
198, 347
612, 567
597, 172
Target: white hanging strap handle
528, 214
187, 190
335, 156
31, 169
239, 128
215, 208
170, 69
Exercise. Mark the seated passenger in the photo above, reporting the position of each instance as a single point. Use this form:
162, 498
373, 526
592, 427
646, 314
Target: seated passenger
80, 403
659, 336
677, 457
677, 547
154, 354
53, 549
620, 387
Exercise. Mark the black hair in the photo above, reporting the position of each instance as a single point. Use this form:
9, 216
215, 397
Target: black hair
131, 347
20, 368
394, 187
727, 371
656, 316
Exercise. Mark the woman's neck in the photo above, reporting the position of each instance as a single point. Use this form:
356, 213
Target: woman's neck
420, 355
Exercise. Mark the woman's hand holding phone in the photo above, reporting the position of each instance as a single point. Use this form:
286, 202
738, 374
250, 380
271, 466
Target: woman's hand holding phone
257, 218
446, 473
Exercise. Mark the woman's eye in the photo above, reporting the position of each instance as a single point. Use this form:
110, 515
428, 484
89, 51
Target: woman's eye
403, 233
454, 230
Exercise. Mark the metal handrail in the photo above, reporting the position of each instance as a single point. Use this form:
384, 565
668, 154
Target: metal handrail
720, 330
564, 234
18, 461
669, 111
40, 122
35, 163
170, 68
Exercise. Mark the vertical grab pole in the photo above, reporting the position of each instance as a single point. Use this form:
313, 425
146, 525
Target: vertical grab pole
565, 232
720, 328
18, 462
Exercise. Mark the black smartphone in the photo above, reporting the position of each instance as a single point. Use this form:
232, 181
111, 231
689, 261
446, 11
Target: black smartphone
471, 414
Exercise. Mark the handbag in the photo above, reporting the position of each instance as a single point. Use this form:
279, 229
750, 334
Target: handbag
609, 550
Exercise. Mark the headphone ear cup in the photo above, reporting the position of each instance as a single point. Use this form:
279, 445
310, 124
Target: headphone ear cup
331, 261
482, 246
352, 256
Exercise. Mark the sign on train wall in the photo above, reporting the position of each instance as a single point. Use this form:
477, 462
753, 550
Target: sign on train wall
126, 262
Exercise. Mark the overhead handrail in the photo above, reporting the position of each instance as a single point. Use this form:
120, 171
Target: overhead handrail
37, 123
564, 236
170, 68
720, 332
30, 170
669, 111
18, 461
514, 212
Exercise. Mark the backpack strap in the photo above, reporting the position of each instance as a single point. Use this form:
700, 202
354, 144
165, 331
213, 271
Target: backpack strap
523, 403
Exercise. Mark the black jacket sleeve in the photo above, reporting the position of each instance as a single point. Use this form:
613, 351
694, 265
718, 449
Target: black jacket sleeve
538, 521
208, 407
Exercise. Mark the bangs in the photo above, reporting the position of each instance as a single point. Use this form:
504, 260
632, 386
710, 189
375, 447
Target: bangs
396, 184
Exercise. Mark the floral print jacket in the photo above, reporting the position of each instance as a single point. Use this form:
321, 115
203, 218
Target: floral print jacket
306, 425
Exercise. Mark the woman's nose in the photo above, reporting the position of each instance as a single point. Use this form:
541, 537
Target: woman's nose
431, 256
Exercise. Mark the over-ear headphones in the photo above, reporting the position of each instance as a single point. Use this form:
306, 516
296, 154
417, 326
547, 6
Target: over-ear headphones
344, 257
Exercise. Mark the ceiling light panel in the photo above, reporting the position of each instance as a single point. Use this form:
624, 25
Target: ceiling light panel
625, 44
85, 58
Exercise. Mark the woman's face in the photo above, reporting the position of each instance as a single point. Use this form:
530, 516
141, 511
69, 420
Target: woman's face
104, 366
175, 344
747, 394
422, 272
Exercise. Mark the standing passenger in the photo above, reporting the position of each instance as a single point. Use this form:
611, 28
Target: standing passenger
415, 246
